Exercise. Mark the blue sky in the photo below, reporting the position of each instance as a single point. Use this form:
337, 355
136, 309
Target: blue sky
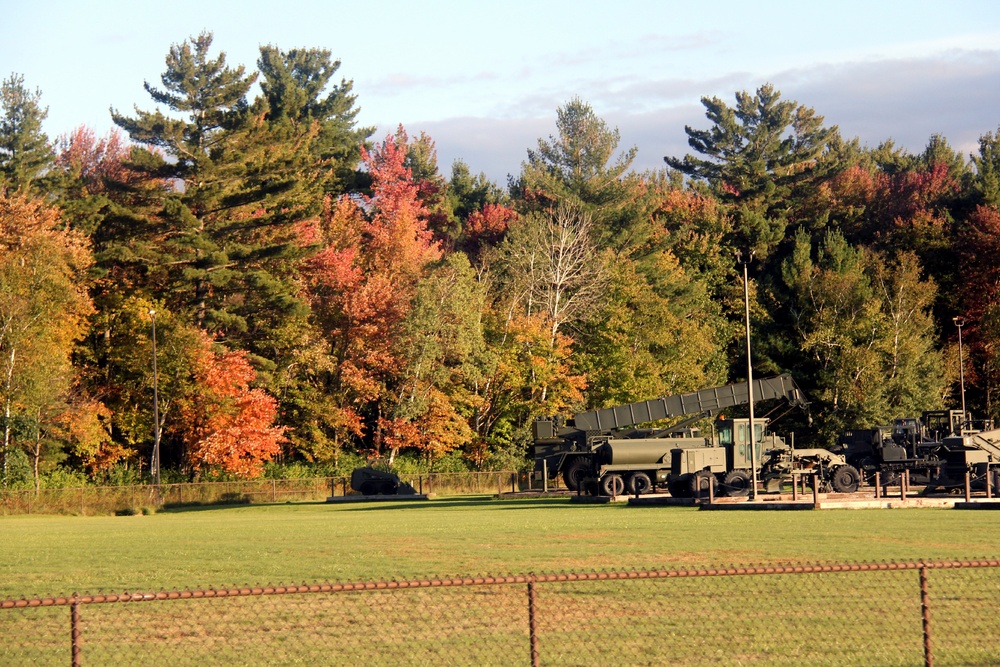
484, 80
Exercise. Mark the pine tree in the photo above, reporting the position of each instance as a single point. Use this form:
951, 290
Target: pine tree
25, 150
761, 156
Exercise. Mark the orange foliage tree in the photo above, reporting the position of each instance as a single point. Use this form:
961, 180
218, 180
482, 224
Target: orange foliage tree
373, 251
226, 424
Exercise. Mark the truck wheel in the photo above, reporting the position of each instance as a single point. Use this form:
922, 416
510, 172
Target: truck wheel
701, 482
639, 483
846, 479
737, 484
612, 485
574, 473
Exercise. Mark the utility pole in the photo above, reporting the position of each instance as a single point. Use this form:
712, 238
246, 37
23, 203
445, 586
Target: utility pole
753, 443
960, 322
156, 408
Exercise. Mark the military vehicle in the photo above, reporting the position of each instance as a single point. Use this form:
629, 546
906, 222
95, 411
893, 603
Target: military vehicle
936, 449
369, 481
974, 451
720, 464
602, 451
568, 447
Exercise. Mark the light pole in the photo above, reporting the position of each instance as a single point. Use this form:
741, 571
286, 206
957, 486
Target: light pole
960, 322
156, 407
753, 445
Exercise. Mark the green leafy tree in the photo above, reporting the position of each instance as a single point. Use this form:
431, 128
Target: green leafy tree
862, 323
25, 150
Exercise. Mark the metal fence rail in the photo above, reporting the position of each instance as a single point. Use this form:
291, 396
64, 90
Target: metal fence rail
914, 613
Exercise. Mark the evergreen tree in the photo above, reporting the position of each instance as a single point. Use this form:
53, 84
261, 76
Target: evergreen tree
25, 151
582, 166
761, 156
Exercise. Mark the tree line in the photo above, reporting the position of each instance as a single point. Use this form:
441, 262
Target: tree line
320, 293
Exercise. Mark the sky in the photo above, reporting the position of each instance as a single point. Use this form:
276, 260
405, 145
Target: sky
485, 79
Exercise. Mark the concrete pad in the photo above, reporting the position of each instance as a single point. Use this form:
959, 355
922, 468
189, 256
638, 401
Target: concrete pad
370, 499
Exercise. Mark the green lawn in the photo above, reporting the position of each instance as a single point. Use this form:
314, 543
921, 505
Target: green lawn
308, 542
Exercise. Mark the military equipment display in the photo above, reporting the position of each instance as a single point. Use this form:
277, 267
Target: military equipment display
936, 450
369, 481
601, 451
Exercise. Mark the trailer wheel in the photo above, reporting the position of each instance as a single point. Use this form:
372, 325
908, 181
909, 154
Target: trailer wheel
575, 471
612, 485
737, 484
846, 479
701, 482
639, 483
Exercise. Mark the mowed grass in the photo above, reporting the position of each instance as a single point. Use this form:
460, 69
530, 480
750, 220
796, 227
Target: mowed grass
452, 536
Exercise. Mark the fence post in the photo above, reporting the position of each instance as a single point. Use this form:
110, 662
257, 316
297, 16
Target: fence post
878, 485
815, 486
968, 487
74, 632
532, 625
925, 610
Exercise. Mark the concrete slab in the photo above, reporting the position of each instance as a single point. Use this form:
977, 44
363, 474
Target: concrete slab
370, 499
981, 504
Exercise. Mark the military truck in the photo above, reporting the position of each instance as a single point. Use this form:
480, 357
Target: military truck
720, 464
602, 451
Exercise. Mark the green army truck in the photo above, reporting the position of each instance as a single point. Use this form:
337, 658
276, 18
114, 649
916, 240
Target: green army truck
604, 451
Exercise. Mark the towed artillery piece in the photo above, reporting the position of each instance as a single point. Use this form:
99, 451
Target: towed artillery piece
370, 481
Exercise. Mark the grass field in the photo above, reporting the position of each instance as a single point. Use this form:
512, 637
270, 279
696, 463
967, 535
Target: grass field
461, 535
848, 618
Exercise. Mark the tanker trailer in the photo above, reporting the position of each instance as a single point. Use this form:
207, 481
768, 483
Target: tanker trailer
636, 465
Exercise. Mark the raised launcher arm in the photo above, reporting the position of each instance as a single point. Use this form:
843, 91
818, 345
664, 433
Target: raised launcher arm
704, 402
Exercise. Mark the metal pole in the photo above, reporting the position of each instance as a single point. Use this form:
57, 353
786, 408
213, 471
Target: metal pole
753, 444
960, 322
925, 610
74, 632
532, 626
156, 407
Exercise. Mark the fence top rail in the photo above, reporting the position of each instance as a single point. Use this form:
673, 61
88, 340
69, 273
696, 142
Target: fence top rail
752, 570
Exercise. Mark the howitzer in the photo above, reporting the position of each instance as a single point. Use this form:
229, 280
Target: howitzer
369, 481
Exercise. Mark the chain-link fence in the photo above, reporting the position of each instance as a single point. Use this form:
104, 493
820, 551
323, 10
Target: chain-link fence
930, 613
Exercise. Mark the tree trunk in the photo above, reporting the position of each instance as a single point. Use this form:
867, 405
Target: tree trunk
6, 421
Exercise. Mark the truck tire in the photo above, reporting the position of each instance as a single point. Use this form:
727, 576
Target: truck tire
701, 483
575, 471
612, 485
737, 484
639, 483
845, 479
